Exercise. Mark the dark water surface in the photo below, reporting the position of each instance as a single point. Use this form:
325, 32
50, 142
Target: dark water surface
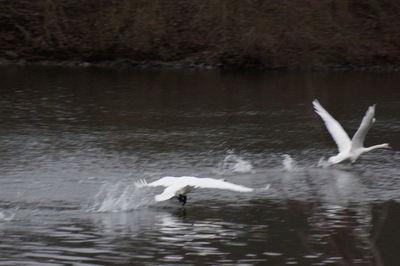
74, 141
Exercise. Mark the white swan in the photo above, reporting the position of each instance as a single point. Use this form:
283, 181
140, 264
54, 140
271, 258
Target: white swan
179, 186
348, 149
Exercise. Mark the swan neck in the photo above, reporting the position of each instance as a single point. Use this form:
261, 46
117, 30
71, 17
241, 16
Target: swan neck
379, 146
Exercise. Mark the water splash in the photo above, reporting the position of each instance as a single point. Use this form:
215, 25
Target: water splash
116, 197
6, 217
288, 163
236, 164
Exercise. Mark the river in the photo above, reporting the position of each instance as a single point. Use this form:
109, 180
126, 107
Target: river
75, 141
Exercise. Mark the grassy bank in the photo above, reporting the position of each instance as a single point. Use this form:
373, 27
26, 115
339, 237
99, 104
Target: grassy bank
219, 33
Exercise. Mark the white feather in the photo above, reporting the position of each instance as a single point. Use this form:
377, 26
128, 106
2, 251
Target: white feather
348, 149
335, 129
181, 185
366, 123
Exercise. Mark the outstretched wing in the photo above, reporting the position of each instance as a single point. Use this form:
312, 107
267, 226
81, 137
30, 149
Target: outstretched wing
335, 129
165, 181
219, 184
172, 191
180, 185
366, 123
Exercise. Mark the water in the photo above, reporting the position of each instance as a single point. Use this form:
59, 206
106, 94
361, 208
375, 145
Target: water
74, 142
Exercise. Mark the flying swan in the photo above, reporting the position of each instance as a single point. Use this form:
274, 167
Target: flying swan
180, 186
348, 149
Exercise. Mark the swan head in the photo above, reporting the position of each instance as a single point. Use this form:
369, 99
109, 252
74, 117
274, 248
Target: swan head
386, 146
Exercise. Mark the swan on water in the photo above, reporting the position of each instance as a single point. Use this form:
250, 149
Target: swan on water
349, 149
180, 186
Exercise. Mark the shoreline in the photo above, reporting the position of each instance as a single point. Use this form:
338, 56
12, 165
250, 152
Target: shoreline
124, 63
301, 35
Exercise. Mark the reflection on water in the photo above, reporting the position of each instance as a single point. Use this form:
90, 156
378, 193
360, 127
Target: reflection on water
74, 142
265, 231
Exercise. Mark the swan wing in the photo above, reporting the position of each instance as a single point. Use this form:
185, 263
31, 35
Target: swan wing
366, 123
172, 191
335, 129
165, 181
180, 185
219, 184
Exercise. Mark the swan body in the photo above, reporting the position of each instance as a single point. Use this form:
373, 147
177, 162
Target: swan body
179, 186
349, 149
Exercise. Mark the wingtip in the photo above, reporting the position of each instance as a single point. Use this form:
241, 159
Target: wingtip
371, 109
264, 188
317, 105
141, 183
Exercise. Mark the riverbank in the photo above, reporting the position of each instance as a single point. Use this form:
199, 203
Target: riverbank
266, 35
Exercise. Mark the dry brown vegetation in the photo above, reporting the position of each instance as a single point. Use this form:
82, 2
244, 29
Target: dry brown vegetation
235, 33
